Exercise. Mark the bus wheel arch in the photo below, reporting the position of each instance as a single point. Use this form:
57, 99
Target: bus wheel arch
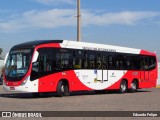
134, 85
63, 88
123, 86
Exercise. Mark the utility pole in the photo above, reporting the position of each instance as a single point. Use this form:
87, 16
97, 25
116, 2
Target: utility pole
78, 21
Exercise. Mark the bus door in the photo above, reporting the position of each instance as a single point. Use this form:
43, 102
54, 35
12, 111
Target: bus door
144, 75
102, 72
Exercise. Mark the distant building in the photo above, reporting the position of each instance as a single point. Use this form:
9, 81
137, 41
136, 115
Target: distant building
1, 64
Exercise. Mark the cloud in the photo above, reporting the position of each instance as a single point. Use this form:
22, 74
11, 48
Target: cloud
54, 18
123, 18
4, 11
55, 2
39, 19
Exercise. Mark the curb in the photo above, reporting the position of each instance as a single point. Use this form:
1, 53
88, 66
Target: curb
158, 86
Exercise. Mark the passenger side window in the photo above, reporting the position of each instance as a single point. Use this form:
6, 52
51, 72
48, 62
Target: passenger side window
45, 60
98, 62
85, 60
43, 66
151, 63
64, 59
92, 61
77, 59
144, 63
104, 62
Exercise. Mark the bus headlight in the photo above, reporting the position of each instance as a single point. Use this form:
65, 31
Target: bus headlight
25, 81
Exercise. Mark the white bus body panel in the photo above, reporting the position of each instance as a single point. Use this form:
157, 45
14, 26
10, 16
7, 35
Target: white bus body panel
89, 78
98, 47
30, 86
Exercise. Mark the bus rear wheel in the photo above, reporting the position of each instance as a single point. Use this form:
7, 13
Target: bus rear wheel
134, 86
123, 87
62, 89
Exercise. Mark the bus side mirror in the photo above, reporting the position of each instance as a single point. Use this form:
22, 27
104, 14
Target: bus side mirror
35, 57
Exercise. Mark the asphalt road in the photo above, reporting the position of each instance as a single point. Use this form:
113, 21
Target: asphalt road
143, 100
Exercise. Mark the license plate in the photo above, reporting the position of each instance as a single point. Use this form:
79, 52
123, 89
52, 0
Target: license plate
12, 88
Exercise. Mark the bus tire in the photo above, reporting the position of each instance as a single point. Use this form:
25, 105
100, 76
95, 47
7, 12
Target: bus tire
100, 91
62, 89
134, 86
123, 87
36, 95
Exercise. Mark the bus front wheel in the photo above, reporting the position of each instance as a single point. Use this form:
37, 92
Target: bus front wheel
123, 87
62, 89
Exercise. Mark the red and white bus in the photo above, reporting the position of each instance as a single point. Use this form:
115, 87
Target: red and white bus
64, 66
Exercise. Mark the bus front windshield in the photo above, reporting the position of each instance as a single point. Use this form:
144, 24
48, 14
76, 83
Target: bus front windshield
17, 64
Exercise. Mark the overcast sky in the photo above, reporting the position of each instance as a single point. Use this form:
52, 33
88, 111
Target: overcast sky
129, 23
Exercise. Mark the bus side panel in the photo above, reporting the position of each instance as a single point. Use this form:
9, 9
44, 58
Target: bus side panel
129, 76
151, 82
49, 83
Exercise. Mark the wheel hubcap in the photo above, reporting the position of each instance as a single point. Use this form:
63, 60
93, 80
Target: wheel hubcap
123, 87
62, 88
133, 86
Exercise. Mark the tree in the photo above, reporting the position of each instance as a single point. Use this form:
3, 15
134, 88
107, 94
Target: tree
1, 50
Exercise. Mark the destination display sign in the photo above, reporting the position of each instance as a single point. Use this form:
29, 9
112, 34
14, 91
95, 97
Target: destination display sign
99, 49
